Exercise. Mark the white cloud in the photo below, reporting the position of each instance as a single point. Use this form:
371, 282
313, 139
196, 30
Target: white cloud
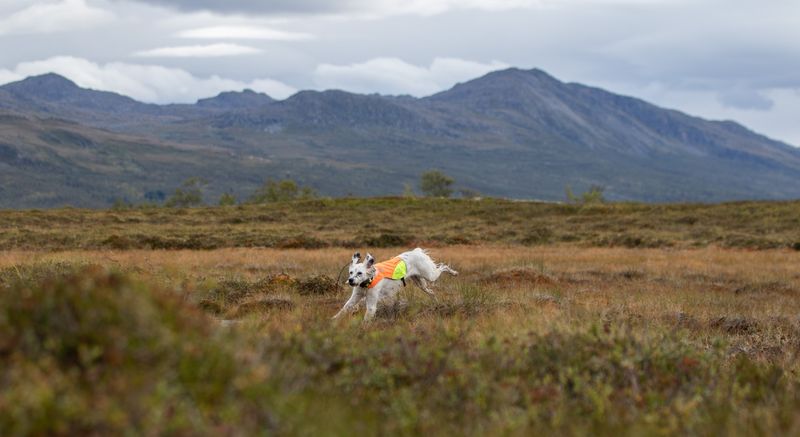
7, 76
49, 17
779, 122
381, 8
198, 51
243, 32
376, 8
395, 76
743, 98
433, 7
147, 83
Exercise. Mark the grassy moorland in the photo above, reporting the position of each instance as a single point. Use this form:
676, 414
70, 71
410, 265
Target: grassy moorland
694, 336
387, 222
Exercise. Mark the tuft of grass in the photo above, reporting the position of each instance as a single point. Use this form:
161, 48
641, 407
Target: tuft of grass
300, 242
318, 285
734, 325
238, 296
466, 300
261, 306
518, 275
385, 240
15, 275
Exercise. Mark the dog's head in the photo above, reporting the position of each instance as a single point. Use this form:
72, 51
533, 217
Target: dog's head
361, 273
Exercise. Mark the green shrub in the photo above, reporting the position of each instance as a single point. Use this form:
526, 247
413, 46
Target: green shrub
536, 236
96, 353
189, 194
591, 196
281, 191
227, 199
408, 191
119, 242
434, 183
300, 242
386, 240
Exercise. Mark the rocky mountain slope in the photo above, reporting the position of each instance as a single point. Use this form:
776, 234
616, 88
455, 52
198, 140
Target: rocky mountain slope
514, 133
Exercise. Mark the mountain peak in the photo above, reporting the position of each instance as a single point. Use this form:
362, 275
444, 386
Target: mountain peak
50, 80
49, 86
52, 92
518, 74
501, 87
513, 76
246, 98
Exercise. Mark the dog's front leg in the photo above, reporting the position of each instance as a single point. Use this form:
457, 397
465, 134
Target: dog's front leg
373, 294
349, 306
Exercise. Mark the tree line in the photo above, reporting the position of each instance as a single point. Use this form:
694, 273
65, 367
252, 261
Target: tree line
432, 183
190, 193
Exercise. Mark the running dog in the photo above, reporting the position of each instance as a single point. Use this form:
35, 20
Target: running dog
381, 281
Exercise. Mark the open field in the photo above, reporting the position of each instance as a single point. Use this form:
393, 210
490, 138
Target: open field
542, 339
609, 319
388, 222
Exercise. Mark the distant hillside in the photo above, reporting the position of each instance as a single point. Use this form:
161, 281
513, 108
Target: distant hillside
513, 133
51, 162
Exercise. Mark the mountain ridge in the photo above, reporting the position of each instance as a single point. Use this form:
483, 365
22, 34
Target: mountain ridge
512, 133
232, 97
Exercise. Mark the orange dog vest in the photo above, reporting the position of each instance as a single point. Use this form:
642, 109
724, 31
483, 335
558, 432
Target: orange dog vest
394, 268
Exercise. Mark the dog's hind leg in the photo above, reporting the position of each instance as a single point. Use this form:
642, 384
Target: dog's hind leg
444, 268
422, 284
350, 305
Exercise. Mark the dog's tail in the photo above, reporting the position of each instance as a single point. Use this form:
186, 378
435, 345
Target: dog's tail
428, 269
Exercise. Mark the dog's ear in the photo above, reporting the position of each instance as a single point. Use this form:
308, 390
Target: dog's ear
370, 260
356, 257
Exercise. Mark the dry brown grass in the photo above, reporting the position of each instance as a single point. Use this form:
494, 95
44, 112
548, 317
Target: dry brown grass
710, 307
436, 223
607, 319
541, 288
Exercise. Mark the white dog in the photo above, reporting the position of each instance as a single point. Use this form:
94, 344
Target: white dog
382, 281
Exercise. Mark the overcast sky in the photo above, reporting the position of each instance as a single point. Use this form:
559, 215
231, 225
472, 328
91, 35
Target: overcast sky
719, 59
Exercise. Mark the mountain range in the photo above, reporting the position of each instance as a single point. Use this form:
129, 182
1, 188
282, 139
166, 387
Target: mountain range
511, 133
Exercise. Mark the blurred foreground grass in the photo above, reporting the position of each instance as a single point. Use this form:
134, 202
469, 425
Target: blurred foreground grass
526, 340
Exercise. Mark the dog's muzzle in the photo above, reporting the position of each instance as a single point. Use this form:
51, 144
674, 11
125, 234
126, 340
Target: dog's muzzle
364, 284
